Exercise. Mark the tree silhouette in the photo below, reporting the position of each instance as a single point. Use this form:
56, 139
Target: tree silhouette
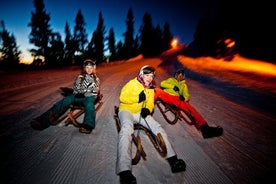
167, 37
99, 39
8, 49
50, 50
70, 46
56, 51
157, 40
204, 40
41, 32
128, 47
147, 36
90, 50
136, 45
119, 50
111, 45
80, 36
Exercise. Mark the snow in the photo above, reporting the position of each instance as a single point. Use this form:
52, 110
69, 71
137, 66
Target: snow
237, 97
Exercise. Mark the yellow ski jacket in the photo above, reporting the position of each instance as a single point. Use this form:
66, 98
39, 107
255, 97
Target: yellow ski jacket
129, 97
168, 85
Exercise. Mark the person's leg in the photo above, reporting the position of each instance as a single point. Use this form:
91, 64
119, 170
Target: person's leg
174, 100
162, 95
50, 116
200, 123
156, 128
157, 93
89, 120
60, 108
176, 164
197, 119
124, 148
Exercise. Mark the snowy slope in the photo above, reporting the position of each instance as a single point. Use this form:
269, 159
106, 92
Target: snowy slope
59, 154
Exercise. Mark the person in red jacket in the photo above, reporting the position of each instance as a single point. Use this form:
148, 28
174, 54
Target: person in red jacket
174, 91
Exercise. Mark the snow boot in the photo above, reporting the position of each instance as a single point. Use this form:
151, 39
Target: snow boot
39, 124
177, 165
85, 129
126, 177
52, 118
209, 132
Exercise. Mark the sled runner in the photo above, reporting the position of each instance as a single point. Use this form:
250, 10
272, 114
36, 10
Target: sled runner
76, 110
156, 140
172, 113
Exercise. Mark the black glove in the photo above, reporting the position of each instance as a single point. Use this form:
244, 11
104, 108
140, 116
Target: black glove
79, 95
182, 98
175, 88
145, 112
142, 97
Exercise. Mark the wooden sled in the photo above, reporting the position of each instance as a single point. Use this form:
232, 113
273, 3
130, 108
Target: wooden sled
156, 140
76, 110
172, 113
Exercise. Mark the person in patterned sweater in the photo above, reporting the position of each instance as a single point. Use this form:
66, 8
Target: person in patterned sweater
85, 91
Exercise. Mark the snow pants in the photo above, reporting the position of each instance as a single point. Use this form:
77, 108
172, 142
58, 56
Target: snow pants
185, 106
62, 106
124, 147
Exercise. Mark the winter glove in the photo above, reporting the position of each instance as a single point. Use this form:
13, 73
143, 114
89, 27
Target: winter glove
182, 98
142, 97
145, 112
175, 88
79, 95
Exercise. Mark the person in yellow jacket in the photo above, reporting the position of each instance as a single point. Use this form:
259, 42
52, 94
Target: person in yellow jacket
136, 106
174, 91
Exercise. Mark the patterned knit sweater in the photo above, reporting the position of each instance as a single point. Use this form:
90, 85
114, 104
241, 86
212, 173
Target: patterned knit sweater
86, 84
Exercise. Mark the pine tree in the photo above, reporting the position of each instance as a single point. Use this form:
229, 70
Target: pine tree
56, 51
80, 36
90, 50
99, 39
111, 45
204, 37
157, 40
167, 37
147, 36
136, 45
41, 32
128, 47
69, 47
119, 50
8, 49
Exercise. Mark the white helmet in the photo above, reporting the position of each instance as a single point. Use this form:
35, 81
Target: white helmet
147, 69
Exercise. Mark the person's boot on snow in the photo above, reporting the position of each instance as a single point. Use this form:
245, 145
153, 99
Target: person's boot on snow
209, 132
126, 177
177, 165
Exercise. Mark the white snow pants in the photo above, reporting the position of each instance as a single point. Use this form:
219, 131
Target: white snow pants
124, 147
